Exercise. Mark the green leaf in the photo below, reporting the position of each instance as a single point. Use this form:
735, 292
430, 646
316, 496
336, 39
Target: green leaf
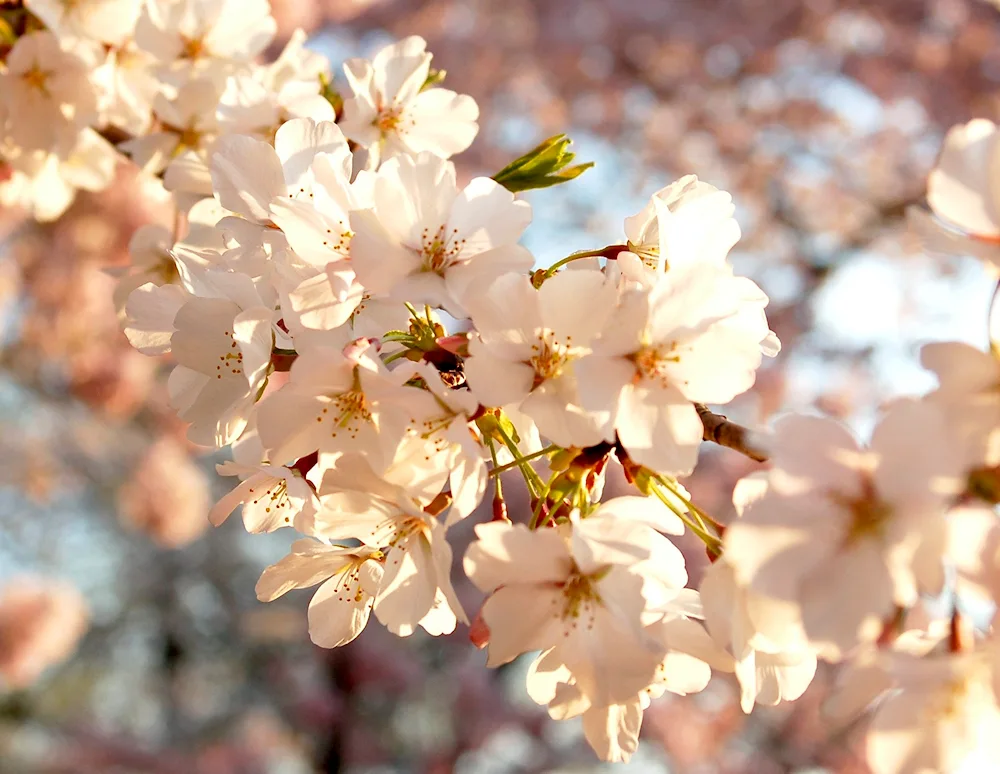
546, 165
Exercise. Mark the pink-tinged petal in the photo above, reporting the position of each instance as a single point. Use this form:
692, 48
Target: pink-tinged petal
150, 312
544, 676
646, 510
440, 554
600, 383
961, 368
820, 453
254, 339
613, 731
511, 553
237, 496
413, 194
309, 562
338, 612
553, 406
899, 740
961, 188
846, 600
477, 275
444, 123
690, 638
379, 260
246, 175
659, 428
521, 620
297, 142
316, 237
401, 69
408, 590
749, 490
919, 461
497, 382
485, 215
780, 540
576, 306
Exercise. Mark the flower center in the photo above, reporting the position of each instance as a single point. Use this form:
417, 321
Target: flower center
37, 78
439, 250
578, 594
231, 361
868, 513
391, 120
654, 361
550, 356
348, 412
192, 48
275, 497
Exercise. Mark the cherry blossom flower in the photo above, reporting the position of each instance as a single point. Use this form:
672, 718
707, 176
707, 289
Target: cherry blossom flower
845, 533
199, 36
260, 101
961, 188
528, 343
968, 394
272, 497
945, 717
106, 21
613, 730
587, 591
773, 660
687, 222
697, 334
390, 113
45, 184
426, 242
46, 94
219, 331
328, 405
186, 125
341, 606
416, 589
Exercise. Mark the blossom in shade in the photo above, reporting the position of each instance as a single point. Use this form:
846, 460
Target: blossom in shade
944, 717
968, 394
46, 94
962, 188
847, 533
587, 591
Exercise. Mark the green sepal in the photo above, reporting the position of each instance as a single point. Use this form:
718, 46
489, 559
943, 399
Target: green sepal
546, 165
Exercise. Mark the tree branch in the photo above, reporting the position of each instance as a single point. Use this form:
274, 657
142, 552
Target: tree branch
720, 430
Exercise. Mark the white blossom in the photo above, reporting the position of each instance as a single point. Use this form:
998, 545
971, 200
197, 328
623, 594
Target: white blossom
390, 113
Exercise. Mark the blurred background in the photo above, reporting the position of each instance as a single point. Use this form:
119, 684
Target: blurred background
822, 117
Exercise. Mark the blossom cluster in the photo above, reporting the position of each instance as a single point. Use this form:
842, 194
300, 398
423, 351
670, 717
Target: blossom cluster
368, 337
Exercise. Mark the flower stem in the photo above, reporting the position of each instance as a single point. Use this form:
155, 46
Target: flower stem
531, 478
526, 458
712, 542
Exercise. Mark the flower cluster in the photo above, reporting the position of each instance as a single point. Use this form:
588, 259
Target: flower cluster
369, 337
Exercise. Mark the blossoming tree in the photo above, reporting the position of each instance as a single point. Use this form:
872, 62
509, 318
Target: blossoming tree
376, 348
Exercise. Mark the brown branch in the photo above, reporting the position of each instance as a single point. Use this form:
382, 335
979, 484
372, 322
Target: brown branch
720, 430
